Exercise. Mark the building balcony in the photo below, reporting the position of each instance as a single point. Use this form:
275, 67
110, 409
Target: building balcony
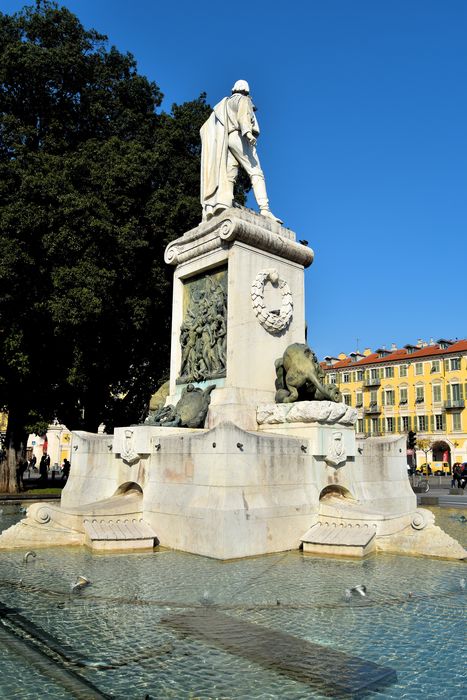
454, 403
372, 409
372, 382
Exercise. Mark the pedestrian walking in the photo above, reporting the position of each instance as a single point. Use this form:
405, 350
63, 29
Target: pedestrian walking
44, 468
456, 474
65, 470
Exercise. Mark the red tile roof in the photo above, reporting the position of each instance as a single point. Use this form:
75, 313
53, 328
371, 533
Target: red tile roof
398, 355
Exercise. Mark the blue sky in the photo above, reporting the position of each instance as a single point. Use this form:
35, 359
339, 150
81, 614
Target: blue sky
363, 112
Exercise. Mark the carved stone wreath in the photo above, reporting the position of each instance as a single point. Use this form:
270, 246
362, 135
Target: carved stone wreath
272, 321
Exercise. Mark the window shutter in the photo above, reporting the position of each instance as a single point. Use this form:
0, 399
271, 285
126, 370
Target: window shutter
383, 398
446, 365
461, 391
432, 423
448, 392
443, 422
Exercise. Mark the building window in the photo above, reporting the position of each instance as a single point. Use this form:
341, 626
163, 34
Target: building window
421, 423
403, 371
360, 375
332, 378
373, 396
403, 395
455, 363
390, 425
347, 399
419, 394
374, 373
374, 425
456, 421
435, 366
405, 424
419, 368
389, 372
359, 399
346, 377
360, 425
389, 397
439, 422
436, 393
456, 394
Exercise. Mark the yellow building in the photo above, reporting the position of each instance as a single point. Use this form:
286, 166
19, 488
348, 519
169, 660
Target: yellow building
418, 387
3, 424
57, 442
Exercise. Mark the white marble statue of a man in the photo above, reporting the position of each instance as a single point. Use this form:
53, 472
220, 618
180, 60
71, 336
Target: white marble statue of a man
228, 141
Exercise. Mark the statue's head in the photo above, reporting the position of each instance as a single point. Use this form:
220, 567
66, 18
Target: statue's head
242, 87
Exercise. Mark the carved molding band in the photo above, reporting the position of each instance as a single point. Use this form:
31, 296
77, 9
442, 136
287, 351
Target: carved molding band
241, 225
306, 412
272, 322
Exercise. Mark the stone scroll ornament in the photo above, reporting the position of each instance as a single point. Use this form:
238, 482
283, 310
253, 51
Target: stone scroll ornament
273, 321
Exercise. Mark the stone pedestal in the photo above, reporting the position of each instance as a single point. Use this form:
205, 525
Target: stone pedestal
265, 309
259, 477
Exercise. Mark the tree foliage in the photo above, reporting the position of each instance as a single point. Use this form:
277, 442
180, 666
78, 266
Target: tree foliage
94, 182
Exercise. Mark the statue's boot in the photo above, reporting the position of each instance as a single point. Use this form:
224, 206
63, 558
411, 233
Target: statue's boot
259, 189
210, 211
219, 209
265, 211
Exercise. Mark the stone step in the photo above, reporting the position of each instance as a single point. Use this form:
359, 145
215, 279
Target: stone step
121, 533
344, 539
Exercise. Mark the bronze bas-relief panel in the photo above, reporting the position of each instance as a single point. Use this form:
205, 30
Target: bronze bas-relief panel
203, 333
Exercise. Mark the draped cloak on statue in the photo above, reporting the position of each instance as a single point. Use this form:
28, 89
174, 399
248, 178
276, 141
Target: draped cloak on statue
231, 114
215, 188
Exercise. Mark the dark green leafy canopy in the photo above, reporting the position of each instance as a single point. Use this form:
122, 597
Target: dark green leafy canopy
94, 183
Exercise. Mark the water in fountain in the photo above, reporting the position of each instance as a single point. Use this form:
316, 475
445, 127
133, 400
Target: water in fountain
120, 643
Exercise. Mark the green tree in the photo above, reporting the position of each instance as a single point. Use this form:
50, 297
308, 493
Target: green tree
425, 446
94, 182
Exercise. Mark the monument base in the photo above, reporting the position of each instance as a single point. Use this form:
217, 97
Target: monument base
227, 492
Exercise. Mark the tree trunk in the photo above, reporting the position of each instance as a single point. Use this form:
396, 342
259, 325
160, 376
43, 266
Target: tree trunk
8, 471
15, 451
